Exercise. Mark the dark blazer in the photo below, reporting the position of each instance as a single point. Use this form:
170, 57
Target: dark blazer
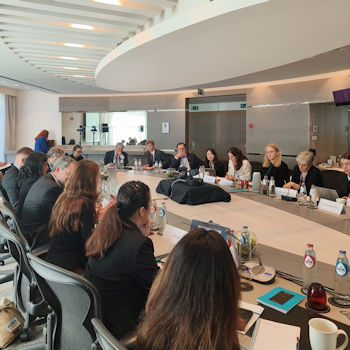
194, 161
37, 210
109, 157
313, 177
159, 156
24, 187
344, 187
10, 188
280, 174
77, 159
123, 277
220, 167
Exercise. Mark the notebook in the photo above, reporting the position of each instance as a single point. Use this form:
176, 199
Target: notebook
274, 336
281, 299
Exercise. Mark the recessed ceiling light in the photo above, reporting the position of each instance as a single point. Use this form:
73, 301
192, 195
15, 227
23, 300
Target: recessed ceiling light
73, 45
68, 58
79, 76
71, 68
82, 26
109, 2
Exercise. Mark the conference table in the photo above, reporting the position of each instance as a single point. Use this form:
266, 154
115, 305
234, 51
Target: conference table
282, 229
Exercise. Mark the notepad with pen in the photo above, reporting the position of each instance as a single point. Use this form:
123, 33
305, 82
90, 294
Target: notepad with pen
281, 299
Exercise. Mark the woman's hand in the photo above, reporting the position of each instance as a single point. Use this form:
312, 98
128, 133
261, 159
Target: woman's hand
292, 184
230, 177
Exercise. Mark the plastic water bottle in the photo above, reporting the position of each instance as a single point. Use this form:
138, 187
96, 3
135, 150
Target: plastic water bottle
265, 188
140, 166
302, 197
342, 278
272, 188
160, 165
310, 273
313, 198
162, 218
154, 216
135, 166
245, 247
156, 167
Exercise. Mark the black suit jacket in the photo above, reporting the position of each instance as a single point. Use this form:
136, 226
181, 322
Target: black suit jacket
109, 157
280, 174
10, 188
37, 210
123, 276
159, 156
313, 177
194, 161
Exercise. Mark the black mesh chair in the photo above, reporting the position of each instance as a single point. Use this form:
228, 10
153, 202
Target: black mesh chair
27, 295
336, 180
74, 302
105, 338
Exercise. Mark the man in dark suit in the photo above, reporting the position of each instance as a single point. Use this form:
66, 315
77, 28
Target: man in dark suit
117, 156
40, 200
184, 159
345, 164
9, 184
156, 155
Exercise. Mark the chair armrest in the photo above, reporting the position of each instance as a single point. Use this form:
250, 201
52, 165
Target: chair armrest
129, 340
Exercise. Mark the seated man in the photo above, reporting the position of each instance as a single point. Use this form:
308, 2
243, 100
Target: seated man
345, 164
53, 154
116, 156
184, 159
156, 155
9, 184
40, 200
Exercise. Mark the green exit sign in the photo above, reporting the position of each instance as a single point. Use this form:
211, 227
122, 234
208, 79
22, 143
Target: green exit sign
200, 92
194, 108
243, 105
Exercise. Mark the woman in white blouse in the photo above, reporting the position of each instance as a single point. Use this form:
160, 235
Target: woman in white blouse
238, 165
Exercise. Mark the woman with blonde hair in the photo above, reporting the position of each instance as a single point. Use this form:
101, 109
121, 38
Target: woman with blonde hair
73, 217
41, 144
193, 302
274, 166
305, 172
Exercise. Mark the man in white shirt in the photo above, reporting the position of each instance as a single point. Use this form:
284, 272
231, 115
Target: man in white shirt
345, 164
117, 156
184, 159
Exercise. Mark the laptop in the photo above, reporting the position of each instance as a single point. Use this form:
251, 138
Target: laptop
326, 193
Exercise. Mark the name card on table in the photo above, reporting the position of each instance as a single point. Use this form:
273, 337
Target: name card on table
173, 234
332, 207
280, 191
209, 179
225, 182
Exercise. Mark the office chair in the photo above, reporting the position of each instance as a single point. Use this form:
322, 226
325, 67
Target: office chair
74, 301
105, 338
27, 295
335, 179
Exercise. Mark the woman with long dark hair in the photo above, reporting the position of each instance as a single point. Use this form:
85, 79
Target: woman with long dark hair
33, 168
211, 161
73, 217
41, 144
239, 167
193, 302
121, 261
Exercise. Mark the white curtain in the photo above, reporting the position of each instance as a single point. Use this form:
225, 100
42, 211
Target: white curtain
10, 122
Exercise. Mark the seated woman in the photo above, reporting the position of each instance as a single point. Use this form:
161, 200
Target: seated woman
77, 151
73, 217
41, 144
121, 261
211, 161
274, 166
33, 168
238, 165
193, 302
305, 172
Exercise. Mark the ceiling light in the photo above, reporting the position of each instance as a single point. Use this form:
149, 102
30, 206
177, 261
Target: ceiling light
73, 45
82, 26
68, 58
109, 2
71, 68
79, 76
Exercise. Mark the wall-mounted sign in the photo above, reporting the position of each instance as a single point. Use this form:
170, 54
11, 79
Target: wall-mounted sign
165, 128
200, 92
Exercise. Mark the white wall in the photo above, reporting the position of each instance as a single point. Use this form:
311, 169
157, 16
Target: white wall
2, 127
36, 111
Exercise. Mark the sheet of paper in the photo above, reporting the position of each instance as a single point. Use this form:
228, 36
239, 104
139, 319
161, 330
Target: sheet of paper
257, 310
332, 207
209, 179
173, 234
280, 191
225, 182
274, 336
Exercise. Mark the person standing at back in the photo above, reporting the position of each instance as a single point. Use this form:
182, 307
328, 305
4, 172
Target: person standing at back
183, 159
41, 144
9, 183
40, 200
193, 302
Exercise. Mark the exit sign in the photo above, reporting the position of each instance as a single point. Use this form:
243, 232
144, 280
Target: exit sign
194, 108
200, 92
243, 105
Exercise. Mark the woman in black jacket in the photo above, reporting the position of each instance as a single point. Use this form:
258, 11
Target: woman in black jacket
121, 261
211, 161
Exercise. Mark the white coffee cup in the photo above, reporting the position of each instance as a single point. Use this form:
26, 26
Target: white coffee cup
323, 335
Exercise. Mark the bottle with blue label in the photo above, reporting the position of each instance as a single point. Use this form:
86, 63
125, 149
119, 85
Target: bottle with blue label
342, 278
162, 218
